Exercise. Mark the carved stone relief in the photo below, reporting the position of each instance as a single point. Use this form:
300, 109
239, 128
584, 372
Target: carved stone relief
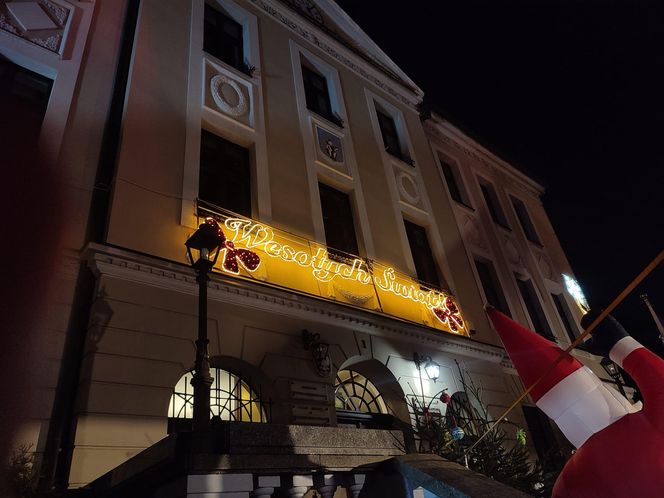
472, 232
42, 22
511, 252
407, 186
227, 94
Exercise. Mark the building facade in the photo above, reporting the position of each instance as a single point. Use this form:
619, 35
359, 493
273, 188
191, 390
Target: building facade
358, 235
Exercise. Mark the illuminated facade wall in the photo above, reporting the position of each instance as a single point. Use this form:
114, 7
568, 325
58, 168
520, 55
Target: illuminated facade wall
369, 307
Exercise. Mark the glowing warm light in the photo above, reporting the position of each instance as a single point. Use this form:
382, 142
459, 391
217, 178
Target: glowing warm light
575, 291
369, 285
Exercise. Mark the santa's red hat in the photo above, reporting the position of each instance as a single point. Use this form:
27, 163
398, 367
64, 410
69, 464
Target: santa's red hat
569, 393
532, 355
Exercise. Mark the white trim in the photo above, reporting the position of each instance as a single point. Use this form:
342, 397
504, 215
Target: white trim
581, 405
317, 38
318, 171
199, 116
64, 69
446, 132
422, 214
623, 348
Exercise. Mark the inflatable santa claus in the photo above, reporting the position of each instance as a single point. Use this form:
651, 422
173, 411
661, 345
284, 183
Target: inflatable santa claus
620, 445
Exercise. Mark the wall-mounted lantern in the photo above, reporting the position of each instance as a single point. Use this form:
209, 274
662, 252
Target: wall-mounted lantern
319, 352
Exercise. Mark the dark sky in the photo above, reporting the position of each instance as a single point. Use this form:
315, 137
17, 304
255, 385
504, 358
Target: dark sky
571, 92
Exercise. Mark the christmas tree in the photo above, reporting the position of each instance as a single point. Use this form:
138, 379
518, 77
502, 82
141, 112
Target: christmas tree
465, 421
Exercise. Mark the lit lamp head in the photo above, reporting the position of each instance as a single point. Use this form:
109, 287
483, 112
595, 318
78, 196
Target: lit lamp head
204, 245
432, 369
610, 368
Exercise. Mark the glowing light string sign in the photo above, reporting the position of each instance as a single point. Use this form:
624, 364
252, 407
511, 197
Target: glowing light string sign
362, 283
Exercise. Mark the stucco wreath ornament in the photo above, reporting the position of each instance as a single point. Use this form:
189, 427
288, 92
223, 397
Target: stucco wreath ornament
216, 84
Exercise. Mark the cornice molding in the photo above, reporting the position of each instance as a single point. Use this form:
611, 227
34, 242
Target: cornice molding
443, 132
334, 49
147, 270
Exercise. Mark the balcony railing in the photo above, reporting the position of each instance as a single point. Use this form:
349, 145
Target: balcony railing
293, 262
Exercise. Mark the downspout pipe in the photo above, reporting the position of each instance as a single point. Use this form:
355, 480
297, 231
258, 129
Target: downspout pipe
56, 463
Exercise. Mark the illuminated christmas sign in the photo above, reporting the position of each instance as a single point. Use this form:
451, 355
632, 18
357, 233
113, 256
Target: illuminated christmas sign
255, 250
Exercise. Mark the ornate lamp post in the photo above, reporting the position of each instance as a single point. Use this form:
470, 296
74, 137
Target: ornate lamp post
203, 249
612, 369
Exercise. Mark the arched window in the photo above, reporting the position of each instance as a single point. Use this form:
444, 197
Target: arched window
354, 392
231, 399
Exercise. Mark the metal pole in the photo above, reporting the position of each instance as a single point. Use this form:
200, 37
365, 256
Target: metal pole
202, 380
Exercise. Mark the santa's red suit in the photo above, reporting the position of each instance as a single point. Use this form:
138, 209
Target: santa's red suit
620, 446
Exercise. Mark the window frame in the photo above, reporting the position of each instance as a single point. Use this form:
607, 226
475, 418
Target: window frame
525, 221
434, 262
526, 282
492, 202
503, 307
248, 203
247, 22
457, 178
338, 252
565, 315
404, 152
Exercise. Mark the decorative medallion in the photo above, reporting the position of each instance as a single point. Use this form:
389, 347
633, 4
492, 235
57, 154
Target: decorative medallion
407, 188
40, 22
472, 232
511, 252
330, 145
545, 267
228, 95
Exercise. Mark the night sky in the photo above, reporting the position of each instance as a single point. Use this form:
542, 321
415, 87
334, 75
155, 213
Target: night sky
572, 93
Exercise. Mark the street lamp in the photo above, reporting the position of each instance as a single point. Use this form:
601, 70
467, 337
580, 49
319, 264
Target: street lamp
203, 249
612, 369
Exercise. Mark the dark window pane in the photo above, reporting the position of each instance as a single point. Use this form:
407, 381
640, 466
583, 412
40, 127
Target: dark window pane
225, 178
388, 130
452, 183
492, 289
425, 265
23, 96
534, 308
338, 220
316, 93
493, 204
565, 315
222, 38
525, 221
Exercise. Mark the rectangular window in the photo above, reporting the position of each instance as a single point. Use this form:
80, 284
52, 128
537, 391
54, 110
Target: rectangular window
316, 93
338, 221
454, 182
565, 316
493, 204
525, 221
425, 264
24, 96
534, 308
225, 178
222, 38
390, 135
491, 286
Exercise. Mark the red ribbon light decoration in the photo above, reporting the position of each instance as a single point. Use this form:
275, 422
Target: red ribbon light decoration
449, 314
248, 259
